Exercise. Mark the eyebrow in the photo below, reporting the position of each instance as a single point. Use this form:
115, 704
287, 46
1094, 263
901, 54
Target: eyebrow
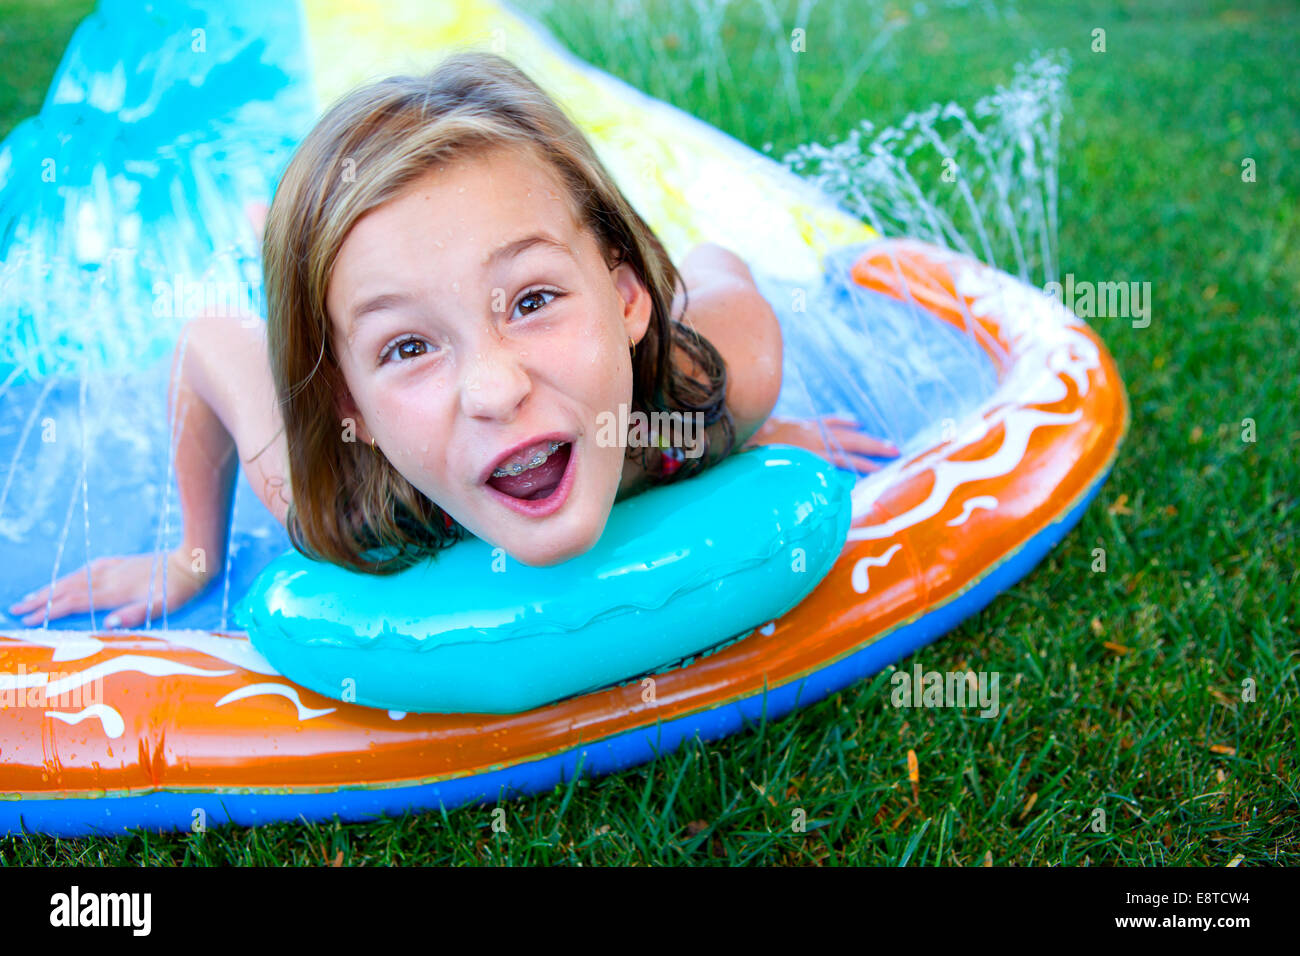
511, 250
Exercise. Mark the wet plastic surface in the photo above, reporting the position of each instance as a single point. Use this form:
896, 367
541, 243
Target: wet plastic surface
159, 140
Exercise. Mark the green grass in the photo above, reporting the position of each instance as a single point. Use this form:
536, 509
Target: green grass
1200, 591
33, 36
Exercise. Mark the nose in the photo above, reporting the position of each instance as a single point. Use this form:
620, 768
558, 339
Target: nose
494, 383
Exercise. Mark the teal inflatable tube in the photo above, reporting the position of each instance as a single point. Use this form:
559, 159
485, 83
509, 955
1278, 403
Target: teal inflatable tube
679, 569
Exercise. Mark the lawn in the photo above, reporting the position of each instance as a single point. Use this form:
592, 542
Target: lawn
1123, 691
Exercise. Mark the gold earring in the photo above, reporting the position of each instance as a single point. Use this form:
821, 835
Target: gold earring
632, 342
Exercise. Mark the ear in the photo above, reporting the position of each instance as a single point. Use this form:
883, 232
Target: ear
346, 408
637, 304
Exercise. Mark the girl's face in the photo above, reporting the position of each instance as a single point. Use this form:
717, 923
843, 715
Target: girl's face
476, 325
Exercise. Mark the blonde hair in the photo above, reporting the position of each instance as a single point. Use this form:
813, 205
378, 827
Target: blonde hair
348, 502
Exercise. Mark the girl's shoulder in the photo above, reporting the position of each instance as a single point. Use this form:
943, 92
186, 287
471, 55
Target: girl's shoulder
742, 325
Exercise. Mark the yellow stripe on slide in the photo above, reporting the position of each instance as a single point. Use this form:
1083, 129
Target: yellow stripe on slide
691, 182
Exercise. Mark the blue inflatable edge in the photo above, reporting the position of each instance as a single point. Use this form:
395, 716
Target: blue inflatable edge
177, 810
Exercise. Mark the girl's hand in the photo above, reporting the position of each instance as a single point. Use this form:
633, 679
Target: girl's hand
835, 439
118, 583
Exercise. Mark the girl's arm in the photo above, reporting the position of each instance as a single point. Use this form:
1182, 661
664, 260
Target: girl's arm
726, 308
224, 401
227, 380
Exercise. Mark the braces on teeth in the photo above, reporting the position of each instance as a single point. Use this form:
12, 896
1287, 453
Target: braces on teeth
518, 469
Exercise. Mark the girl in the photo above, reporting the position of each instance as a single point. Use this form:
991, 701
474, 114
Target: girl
458, 297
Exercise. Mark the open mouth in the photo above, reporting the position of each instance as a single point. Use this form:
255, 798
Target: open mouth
538, 477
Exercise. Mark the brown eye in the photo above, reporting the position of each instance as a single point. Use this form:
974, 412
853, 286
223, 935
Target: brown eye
409, 348
536, 295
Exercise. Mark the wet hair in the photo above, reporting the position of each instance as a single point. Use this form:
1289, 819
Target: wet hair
349, 505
